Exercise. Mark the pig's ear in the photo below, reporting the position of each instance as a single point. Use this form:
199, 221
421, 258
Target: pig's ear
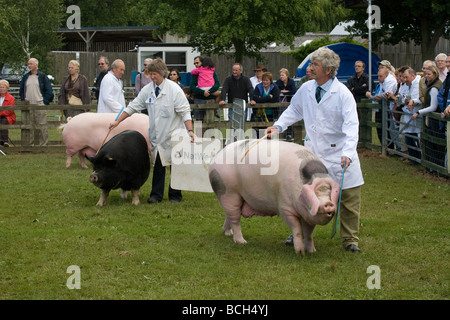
91, 159
309, 199
109, 161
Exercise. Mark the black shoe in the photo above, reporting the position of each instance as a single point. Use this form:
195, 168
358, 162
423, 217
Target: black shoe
175, 200
289, 240
352, 248
153, 199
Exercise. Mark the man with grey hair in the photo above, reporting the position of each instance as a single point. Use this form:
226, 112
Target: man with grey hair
111, 98
329, 112
36, 88
440, 62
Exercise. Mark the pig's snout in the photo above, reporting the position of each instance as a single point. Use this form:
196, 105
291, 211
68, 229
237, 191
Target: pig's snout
329, 208
93, 178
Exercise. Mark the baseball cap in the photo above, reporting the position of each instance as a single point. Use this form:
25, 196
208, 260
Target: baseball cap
385, 63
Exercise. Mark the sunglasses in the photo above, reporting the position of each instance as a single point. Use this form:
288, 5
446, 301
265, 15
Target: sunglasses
100, 64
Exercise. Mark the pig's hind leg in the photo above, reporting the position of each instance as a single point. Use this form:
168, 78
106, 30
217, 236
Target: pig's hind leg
86, 151
232, 204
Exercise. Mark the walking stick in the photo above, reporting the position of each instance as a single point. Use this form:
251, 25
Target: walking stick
109, 131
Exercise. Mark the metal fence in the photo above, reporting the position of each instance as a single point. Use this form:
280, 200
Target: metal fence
424, 141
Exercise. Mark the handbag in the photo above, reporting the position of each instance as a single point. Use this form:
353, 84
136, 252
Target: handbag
73, 100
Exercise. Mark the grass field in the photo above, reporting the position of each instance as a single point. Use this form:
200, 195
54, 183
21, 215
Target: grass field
49, 222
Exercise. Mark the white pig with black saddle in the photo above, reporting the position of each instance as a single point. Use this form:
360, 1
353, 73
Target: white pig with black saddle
271, 177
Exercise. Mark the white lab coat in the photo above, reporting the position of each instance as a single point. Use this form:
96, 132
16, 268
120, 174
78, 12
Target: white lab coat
111, 98
332, 126
167, 114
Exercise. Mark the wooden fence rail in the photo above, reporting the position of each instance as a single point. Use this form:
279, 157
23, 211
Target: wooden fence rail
210, 121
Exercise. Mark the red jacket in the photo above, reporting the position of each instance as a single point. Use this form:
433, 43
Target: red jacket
9, 114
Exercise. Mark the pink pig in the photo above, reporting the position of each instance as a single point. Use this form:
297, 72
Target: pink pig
274, 177
84, 133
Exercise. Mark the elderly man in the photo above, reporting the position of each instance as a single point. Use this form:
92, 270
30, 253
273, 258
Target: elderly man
388, 87
169, 113
36, 88
440, 62
331, 122
112, 99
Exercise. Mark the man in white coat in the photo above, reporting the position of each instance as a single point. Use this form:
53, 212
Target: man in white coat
331, 121
111, 98
169, 113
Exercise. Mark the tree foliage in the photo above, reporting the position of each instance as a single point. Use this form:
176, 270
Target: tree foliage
27, 29
237, 27
423, 22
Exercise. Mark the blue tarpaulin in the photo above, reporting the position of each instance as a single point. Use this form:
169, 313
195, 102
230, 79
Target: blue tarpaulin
349, 53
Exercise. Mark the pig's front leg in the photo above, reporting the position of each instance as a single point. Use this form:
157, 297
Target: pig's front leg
294, 224
102, 201
308, 237
68, 161
135, 197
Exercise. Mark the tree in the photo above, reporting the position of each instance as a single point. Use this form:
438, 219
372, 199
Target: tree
237, 27
27, 29
423, 22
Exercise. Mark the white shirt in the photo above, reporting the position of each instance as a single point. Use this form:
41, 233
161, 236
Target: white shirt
167, 114
111, 99
412, 91
332, 126
389, 85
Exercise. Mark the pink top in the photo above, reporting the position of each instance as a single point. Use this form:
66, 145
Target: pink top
205, 76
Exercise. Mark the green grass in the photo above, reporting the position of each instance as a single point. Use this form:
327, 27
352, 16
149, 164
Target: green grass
49, 221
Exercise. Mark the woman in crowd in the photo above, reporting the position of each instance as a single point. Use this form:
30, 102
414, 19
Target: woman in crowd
175, 76
286, 85
6, 116
434, 152
74, 90
143, 78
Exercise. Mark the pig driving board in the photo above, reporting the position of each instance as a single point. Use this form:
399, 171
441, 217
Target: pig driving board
190, 163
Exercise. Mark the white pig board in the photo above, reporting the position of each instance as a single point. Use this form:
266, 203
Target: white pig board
190, 163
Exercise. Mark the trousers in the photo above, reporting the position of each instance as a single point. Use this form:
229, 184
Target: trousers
349, 215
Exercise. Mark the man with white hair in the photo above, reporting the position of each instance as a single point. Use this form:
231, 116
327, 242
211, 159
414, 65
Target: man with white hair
111, 98
36, 88
440, 62
329, 112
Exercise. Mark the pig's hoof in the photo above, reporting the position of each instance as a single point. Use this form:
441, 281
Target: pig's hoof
241, 241
100, 204
84, 166
135, 203
228, 232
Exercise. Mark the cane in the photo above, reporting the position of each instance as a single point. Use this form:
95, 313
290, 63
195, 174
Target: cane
109, 131
253, 146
